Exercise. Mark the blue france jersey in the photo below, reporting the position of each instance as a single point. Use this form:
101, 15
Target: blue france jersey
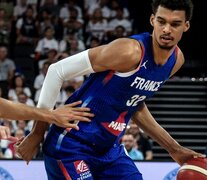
114, 97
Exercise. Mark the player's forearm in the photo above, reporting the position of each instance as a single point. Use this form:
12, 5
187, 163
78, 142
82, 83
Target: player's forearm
38, 114
147, 123
73, 66
51, 87
18, 111
39, 128
57, 73
163, 138
12, 110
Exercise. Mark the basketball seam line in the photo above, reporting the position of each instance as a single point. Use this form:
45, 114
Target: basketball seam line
195, 168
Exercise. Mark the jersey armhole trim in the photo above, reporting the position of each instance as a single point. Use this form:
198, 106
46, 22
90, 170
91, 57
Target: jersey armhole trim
127, 74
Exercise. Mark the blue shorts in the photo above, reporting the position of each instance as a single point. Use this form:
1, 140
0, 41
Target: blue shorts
93, 167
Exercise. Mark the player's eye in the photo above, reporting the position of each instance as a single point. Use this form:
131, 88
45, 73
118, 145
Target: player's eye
175, 24
161, 22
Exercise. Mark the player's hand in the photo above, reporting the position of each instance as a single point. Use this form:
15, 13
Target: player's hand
27, 147
63, 115
183, 154
6, 134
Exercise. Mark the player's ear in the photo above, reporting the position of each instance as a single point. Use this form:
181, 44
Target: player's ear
152, 17
187, 26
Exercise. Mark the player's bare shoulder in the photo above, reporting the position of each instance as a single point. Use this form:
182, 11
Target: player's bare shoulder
121, 55
128, 54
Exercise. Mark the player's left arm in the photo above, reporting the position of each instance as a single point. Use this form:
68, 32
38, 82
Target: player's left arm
179, 62
144, 119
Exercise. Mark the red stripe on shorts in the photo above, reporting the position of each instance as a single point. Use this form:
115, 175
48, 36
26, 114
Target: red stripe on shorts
63, 169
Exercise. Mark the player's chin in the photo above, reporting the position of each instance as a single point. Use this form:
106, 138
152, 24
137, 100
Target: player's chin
166, 46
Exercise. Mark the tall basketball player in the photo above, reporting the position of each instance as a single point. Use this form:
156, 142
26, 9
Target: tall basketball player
124, 73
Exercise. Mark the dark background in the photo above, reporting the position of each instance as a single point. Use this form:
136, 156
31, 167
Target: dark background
193, 43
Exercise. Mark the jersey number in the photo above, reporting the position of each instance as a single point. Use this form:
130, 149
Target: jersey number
135, 100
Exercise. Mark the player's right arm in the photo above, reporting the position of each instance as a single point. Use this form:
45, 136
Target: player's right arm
122, 55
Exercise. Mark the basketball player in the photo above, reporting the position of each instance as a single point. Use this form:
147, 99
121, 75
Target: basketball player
123, 74
60, 116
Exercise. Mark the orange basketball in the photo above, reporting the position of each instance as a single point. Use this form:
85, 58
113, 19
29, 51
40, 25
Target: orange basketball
193, 169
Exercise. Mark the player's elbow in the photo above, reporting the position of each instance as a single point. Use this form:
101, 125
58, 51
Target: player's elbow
51, 68
54, 71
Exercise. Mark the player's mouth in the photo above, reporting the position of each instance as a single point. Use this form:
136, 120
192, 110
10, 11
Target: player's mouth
166, 39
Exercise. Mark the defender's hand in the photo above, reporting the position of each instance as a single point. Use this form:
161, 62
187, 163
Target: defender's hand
63, 115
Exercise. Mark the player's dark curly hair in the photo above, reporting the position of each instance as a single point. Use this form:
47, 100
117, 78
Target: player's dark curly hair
185, 5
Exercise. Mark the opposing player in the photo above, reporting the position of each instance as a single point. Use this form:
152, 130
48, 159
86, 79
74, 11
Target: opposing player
61, 116
124, 74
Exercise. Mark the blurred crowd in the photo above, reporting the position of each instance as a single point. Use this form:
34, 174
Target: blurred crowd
36, 33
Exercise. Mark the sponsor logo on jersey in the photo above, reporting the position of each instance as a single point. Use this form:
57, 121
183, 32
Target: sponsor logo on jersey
144, 64
117, 126
83, 170
81, 166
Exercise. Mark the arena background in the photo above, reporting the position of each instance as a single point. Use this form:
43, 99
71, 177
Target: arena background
194, 47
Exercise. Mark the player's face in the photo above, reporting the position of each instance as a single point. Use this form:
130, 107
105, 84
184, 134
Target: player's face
168, 26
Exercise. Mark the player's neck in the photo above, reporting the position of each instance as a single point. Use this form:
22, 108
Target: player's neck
161, 55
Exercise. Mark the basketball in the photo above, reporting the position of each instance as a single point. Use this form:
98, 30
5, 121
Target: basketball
193, 169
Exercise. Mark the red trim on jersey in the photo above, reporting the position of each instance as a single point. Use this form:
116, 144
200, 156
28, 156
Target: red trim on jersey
176, 52
142, 55
108, 77
143, 50
64, 170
